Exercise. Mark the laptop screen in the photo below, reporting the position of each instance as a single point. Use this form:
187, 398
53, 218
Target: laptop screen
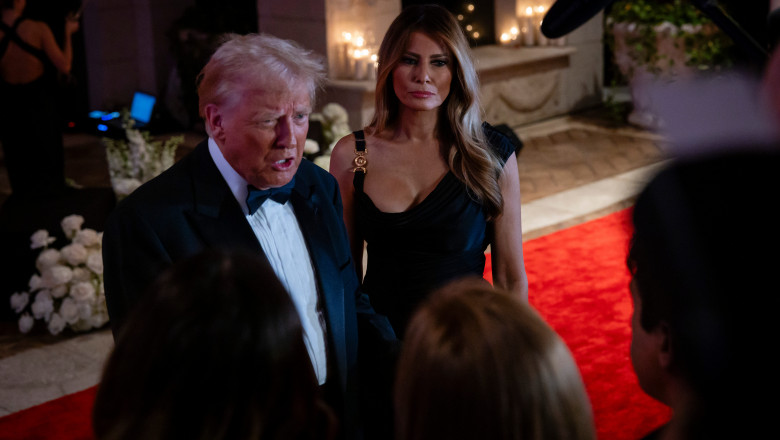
142, 106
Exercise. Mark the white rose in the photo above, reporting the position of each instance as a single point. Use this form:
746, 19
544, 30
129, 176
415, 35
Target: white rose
98, 320
95, 262
125, 186
83, 292
322, 162
81, 274
43, 306
74, 254
41, 239
69, 311
85, 310
59, 291
81, 325
26, 323
19, 301
87, 238
311, 146
36, 283
47, 258
334, 113
339, 130
56, 324
56, 275
71, 225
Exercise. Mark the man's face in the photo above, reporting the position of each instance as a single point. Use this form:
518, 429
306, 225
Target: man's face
262, 134
646, 351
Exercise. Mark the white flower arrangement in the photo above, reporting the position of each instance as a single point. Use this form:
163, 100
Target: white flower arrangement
68, 290
335, 123
137, 158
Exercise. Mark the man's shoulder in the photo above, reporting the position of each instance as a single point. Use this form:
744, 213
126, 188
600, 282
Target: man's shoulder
312, 173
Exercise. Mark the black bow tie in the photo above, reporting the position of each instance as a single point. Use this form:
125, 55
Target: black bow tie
256, 197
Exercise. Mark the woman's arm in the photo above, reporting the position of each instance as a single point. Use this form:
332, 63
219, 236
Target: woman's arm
341, 168
507, 244
61, 58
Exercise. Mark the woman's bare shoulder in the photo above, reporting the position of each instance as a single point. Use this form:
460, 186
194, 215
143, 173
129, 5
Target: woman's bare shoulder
342, 155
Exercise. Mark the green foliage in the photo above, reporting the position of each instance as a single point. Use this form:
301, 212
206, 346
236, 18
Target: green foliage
652, 12
706, 49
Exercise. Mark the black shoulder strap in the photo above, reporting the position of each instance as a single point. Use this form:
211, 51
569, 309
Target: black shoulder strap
360, 161
12, 35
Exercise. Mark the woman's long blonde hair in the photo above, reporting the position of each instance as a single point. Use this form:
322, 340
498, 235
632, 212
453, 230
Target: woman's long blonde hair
459, 127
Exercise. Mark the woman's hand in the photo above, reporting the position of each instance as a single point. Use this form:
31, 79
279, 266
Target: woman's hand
71, 24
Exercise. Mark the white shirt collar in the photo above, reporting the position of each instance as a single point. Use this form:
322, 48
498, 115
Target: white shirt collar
237, 184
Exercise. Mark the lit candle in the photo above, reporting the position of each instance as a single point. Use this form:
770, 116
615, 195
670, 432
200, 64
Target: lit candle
372, 67
527, 28
361, 63
344, 62
541, 40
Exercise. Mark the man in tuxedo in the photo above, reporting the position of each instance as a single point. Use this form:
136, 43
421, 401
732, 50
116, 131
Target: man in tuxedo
247, 187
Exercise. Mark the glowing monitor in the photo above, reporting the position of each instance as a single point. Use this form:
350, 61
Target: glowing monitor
142, 106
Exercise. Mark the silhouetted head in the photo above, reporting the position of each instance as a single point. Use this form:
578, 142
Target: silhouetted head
703, 255
213, 350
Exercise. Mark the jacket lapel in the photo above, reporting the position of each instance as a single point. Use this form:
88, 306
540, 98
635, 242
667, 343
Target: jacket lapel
215, 215
305, 201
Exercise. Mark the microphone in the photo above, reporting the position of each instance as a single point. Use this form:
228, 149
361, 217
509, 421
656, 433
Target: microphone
566, 15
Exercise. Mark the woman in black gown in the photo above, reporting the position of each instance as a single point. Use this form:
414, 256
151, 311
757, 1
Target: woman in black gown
425, 184
29, 123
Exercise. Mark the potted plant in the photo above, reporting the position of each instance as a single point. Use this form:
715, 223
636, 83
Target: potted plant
662, 39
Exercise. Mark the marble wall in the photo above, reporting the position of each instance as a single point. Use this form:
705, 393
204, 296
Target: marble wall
127, 48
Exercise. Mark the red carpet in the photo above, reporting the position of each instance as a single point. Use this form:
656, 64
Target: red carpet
578, 282
67, 418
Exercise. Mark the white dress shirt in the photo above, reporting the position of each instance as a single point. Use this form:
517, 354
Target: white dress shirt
280, 236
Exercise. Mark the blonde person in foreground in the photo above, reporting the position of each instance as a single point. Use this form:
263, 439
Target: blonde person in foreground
478, 363
427, 185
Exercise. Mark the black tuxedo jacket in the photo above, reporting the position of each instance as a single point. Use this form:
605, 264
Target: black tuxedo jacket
189, 208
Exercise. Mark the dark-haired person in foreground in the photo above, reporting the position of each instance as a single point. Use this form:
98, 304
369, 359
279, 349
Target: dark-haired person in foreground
214, 351
247, 187
704, 259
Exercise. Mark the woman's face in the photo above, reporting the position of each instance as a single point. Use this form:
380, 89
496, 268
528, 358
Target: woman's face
422, 77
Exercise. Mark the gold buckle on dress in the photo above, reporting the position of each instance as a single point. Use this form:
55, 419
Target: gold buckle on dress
360, 161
